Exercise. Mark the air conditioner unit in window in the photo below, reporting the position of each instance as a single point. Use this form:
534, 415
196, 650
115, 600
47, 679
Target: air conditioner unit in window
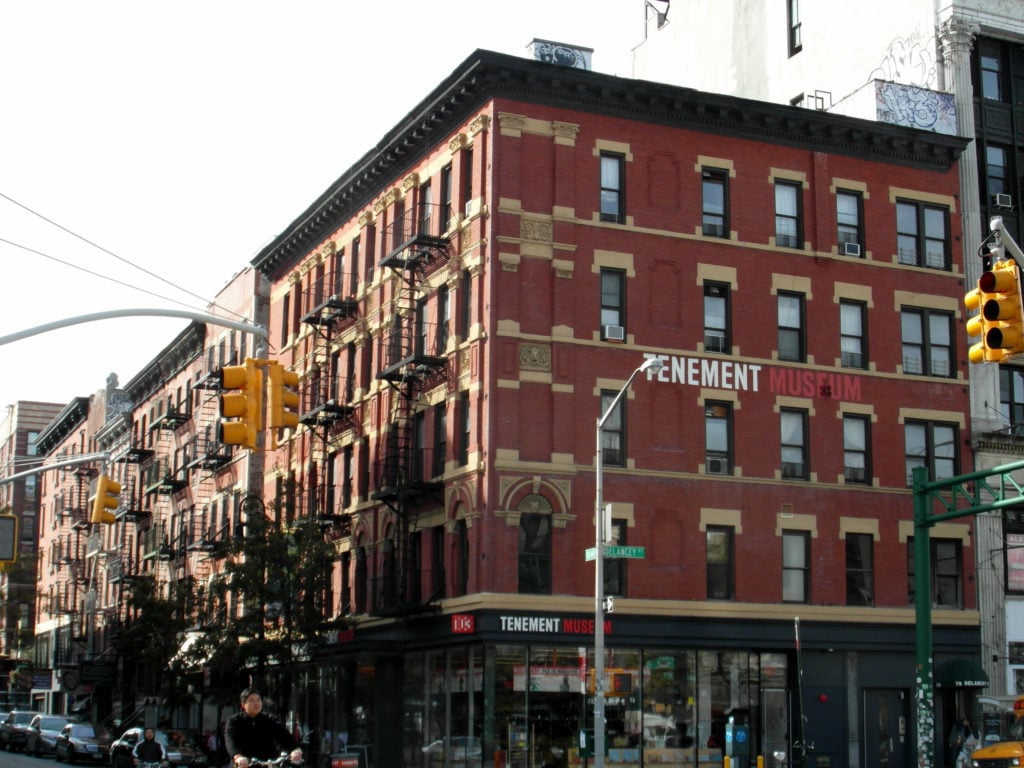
1003, 200
851, 249
614, 333
717, 467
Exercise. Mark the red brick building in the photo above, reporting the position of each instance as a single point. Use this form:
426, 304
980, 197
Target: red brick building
466, 301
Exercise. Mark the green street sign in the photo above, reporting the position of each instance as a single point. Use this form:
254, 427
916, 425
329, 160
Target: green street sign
635, 553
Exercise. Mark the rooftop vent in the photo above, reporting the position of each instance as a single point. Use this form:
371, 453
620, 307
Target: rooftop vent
561, 54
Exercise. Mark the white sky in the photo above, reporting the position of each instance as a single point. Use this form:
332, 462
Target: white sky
182, 137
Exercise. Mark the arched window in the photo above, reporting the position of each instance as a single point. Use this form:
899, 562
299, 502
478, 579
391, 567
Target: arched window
535, 545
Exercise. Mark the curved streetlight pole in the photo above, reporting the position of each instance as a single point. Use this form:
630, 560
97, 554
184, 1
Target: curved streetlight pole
653, 365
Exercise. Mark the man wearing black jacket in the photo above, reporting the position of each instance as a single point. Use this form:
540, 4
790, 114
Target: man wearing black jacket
253, 734
148, 749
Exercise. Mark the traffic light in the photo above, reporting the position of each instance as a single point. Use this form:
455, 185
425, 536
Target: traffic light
283, 396
106, 498
245, 404
1000, 318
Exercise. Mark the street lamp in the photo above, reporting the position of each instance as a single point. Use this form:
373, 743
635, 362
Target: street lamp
652, 364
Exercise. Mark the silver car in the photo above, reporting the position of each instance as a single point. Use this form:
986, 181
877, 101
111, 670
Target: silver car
42, 733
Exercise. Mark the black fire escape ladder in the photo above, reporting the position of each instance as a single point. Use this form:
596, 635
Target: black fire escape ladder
413, 362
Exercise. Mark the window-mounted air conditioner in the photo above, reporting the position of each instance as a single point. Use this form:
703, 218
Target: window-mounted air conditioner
851, 249
1003, 200
717, 467
613, 333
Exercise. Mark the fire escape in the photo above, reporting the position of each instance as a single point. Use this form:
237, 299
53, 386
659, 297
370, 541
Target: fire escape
413, 362
327, 404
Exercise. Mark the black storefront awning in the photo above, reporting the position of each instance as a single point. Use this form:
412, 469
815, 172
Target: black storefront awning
961, 673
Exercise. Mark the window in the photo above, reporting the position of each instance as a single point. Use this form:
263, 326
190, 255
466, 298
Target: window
716, 318
927, 342
849, 223
371, 253
613, 194
721, 566
613, 301
791, 327
286, 314
990, 65
852, 342
429, 222
461, 536
355, 266
534, 554
856, 457
718, 438
932, 445
793, 25
793, 425
421, 468
996, 171
467, 179
444, 318
615, 567
612, 433
32, 446
860, 569
788, 228
338, 273
440, 439
466, 302
715, 221
361, 579
464, 422
796, 572
922, 235
1011, 399
347, 478
946, 570
437, 542
446, 197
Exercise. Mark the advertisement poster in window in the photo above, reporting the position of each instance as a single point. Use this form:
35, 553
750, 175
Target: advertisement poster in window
1015, 562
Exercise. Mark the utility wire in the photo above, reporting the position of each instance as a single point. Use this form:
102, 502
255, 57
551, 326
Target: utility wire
98, 247
90, 272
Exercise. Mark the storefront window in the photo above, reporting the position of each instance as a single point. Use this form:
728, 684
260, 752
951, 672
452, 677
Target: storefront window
670, 706
414, 690
511, 731
556, 704
727, 687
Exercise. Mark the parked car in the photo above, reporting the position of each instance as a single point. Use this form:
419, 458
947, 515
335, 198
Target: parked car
82, 741
14, 728
43, 732
181, 750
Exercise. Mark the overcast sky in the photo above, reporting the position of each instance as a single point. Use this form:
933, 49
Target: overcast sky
162, 145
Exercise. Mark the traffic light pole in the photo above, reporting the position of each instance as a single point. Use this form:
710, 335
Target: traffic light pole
85, 458
934, 502
257, 330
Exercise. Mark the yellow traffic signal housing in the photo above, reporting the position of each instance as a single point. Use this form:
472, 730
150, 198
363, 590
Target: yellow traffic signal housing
8, 538
242, 400
106, 499
1000, 318
283, 396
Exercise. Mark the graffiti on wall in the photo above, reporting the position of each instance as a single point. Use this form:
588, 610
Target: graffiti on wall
909, 61
915, 107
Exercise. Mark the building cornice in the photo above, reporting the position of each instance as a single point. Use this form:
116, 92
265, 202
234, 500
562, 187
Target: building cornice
486, 75
66, 422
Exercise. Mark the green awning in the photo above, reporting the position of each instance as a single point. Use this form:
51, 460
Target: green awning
961, 673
